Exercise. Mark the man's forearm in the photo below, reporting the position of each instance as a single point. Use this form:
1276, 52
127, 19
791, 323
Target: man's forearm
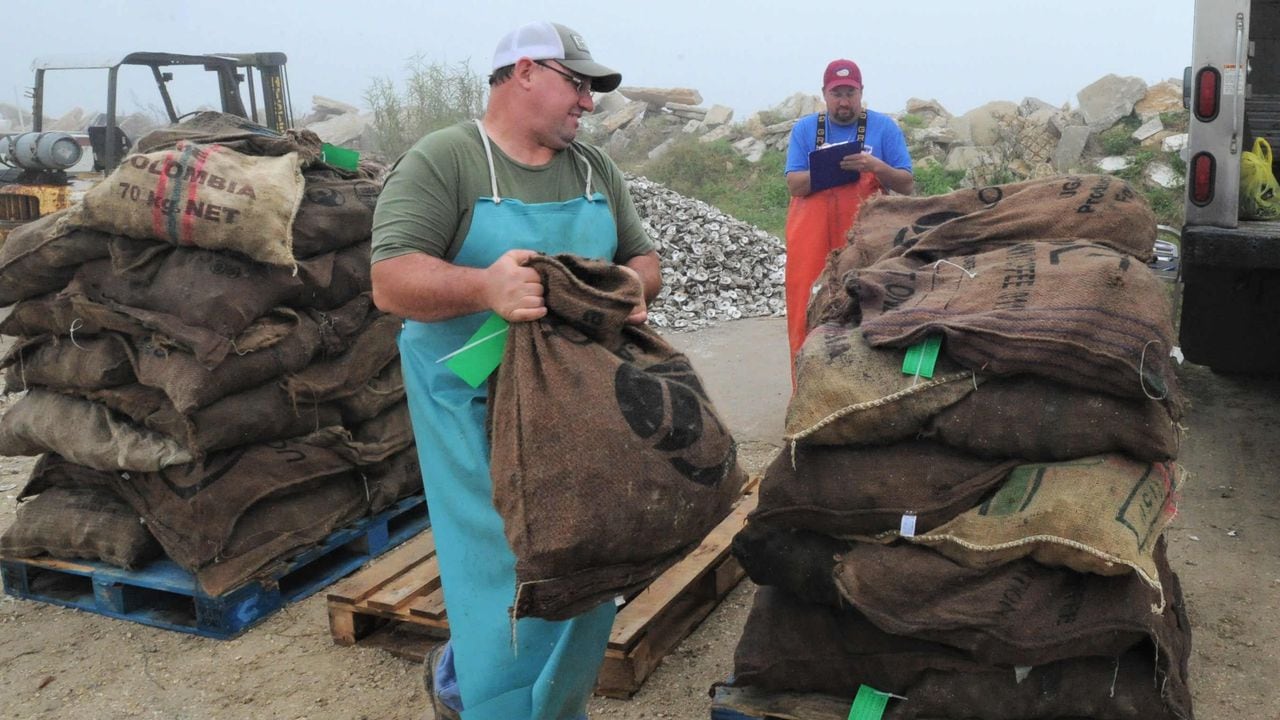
420, 287
798, 183
897, 179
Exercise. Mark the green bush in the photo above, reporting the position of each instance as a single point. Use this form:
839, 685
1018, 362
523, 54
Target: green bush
717, 175
911, 121
934, 179
435, 95
1117, 140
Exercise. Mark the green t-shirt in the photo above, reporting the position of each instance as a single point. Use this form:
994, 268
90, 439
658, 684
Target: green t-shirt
427, 202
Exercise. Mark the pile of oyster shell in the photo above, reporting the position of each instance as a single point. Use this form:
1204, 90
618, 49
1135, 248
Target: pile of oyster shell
714, 267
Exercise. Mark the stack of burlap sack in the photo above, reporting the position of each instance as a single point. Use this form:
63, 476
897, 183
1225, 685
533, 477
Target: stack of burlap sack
204, 372
986, 542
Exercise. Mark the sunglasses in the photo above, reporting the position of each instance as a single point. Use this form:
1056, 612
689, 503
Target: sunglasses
582, 85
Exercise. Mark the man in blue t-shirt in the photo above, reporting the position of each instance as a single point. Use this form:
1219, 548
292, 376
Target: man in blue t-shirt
817, 222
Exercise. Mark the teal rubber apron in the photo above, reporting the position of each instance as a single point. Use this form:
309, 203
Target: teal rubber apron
536, 670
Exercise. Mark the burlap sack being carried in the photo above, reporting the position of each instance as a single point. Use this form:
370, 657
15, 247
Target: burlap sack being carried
232, 131
228, 516
1071, 311
846, 491
1021, 614
84, 432
206, 196
1039, 420
82, 522
627, 464
1098, 515
42, 256
788, 645
849, 393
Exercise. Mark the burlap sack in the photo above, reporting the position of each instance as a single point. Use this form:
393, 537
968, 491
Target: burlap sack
374, 396
1072, 311
84, 432
371, 350
1039, 420
1101, 208
393, 479
849, 393
1021, 614
240, 509
381, 437
351, 276
800, 562
56, 362
1098, 515
190, 385
627, 465
206, 196
791, 646
257, 415
339, 326
84, 522
51, 470
71, 314
336, 211
41, 256
234, 132
845, 491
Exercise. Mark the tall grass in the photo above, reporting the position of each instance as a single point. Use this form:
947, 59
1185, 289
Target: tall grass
435, 95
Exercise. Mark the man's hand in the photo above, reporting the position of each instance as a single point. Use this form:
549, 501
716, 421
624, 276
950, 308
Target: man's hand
513, 289
640, 314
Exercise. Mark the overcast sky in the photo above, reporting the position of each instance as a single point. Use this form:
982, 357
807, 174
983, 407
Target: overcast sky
746, 55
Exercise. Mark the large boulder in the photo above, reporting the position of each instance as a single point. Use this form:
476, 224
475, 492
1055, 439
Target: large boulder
988, 122
1108, 99
657, 97
1160, 98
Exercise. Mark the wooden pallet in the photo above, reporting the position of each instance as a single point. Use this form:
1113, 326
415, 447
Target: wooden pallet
396, 604
164, 595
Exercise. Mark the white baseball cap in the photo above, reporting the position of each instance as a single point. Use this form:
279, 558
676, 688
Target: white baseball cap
553, 41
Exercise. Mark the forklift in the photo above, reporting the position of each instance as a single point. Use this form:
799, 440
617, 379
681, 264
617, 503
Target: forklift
34, 165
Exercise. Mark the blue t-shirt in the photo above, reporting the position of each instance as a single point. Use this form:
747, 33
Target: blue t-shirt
884, 138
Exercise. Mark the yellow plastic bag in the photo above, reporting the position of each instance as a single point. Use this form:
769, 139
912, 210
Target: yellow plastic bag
1259, 192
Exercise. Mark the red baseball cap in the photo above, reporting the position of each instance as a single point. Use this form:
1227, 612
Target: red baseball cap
842, 72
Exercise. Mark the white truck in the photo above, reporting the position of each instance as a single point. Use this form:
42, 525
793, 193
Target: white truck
1230, 314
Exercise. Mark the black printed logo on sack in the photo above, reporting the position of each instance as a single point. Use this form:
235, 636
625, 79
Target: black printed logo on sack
910, 235
325, 196
669, 395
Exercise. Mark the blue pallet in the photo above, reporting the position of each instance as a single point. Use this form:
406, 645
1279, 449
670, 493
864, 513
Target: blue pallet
164, 595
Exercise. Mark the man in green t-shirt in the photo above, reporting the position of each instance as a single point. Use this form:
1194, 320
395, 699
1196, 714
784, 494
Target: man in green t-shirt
460, 215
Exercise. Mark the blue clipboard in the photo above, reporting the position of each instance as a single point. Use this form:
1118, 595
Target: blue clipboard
824, 166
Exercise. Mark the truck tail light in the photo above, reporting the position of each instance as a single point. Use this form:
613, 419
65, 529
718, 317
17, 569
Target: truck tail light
1201, 174
1208, 94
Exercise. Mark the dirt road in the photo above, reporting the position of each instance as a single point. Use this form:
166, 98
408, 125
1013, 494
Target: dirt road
57, 663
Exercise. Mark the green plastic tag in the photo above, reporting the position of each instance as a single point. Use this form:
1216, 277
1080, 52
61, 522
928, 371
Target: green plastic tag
922, 357
340, 157
481, 354
868, 704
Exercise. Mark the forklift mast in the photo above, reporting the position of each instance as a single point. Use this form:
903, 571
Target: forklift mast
231, 69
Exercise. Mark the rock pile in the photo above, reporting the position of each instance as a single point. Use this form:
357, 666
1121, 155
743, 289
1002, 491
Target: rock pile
714, 267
